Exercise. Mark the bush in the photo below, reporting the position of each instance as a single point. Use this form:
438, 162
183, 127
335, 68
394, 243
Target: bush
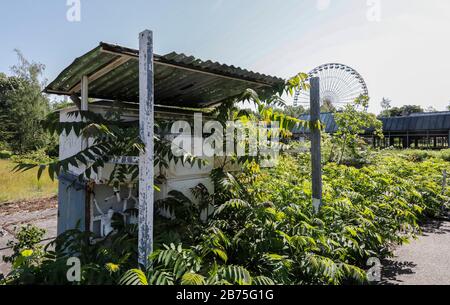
445, 155
4, 146
35, 157
5, 154
418, 155
28, 238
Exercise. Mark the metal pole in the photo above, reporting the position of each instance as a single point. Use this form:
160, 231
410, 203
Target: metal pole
316, 159
146, 125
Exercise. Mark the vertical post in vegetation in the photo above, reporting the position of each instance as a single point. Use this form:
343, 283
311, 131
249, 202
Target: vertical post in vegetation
316, 158
146, 125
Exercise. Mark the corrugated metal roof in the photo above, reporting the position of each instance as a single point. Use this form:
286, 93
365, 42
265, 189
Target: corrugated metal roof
180, 80
417, 122
414, 123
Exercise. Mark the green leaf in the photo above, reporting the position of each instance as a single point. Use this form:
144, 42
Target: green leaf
134, 277
191, 278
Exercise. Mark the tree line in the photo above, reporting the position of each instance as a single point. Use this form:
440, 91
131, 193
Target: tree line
23, 106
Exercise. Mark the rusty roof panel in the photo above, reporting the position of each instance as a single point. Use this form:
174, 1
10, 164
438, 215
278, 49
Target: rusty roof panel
179, 79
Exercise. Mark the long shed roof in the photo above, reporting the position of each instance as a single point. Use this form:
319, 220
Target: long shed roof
180, 80
418, 122
434, 121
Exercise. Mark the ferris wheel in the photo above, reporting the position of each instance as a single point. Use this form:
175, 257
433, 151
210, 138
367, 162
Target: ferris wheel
339, 85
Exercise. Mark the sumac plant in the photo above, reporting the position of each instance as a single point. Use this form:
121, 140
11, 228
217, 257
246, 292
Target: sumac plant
262, 228
112, 137
264, 224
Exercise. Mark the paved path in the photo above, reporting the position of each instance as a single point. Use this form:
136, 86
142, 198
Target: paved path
425, 261
41, 213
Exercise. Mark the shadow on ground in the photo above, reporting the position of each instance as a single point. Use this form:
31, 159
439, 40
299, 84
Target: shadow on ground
435, 226
393, 269
424, 261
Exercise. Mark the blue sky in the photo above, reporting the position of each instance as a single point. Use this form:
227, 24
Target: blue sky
404, 56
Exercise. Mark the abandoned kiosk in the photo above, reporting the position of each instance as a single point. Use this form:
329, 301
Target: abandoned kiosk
109, 76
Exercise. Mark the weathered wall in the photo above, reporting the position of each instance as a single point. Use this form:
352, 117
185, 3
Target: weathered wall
72, 200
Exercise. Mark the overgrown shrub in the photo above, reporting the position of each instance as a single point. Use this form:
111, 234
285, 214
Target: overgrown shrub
418, 155
28, 238
5, 154
263, 229
101, 263
35, 157
445, 155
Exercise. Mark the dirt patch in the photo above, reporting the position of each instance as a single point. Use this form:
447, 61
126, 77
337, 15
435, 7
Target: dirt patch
10, 208
39, 212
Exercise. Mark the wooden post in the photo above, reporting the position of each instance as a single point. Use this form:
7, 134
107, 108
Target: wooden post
316, 158
146, 125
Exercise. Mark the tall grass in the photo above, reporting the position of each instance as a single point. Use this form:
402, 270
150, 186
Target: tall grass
21, 186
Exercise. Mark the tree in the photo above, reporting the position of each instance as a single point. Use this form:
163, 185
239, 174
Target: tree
351, 124
23, 107
294, 111
327, 106
386, 103
409, 109
405, 110
7, 84
386, 106
430, 109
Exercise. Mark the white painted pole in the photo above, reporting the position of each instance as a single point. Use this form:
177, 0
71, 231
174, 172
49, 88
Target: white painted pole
146, 124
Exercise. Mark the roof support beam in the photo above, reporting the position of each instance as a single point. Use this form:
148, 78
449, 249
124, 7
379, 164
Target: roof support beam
76, 100
84, 106
102, 72
84, 84
160, 61
146, 165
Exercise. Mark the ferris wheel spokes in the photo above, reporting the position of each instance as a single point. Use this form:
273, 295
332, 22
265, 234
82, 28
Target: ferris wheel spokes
339, 85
